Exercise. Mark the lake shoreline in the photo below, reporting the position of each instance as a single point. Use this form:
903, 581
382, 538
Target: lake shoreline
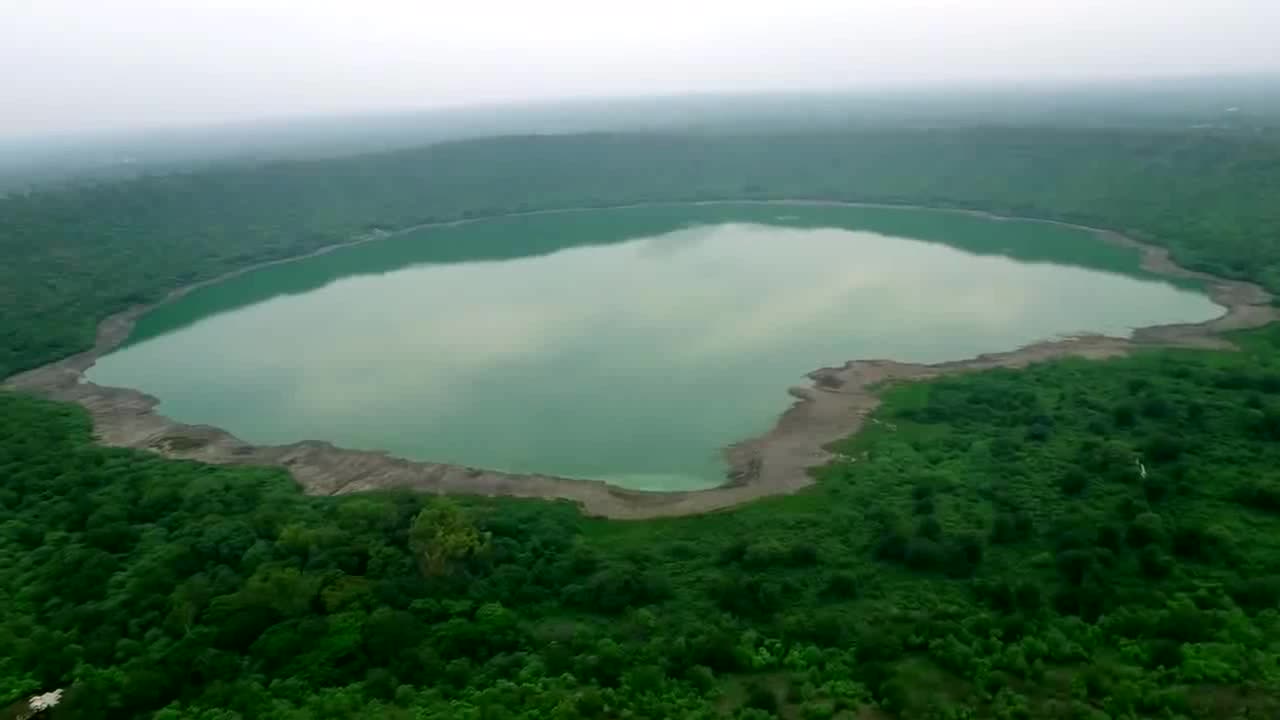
835, 406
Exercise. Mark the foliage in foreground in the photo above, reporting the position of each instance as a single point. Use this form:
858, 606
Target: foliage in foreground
992, 549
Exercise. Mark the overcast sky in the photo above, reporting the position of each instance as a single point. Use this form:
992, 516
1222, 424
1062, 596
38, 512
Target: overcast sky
89, 64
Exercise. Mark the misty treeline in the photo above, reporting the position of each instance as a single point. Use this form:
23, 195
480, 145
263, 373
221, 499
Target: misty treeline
1076, 540
76, 255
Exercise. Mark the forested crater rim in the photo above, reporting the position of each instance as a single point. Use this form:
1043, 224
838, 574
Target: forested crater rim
835, 406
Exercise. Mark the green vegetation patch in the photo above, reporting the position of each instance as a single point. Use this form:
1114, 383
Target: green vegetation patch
1079, 539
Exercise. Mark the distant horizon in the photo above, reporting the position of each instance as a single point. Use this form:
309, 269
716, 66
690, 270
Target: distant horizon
903, 91
82, 67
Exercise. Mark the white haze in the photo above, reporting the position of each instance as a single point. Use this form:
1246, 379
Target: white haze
68, 65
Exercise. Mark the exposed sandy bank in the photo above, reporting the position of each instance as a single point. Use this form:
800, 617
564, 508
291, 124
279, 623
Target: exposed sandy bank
834, 406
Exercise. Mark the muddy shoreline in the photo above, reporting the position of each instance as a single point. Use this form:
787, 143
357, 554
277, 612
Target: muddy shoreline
834, 406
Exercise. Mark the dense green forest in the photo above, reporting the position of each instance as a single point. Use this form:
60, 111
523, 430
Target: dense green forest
1076, 540
993, 552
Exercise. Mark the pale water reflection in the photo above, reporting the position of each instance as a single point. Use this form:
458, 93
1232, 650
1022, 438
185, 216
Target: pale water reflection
632, 361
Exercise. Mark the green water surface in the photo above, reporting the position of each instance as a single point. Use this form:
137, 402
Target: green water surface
626, 345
